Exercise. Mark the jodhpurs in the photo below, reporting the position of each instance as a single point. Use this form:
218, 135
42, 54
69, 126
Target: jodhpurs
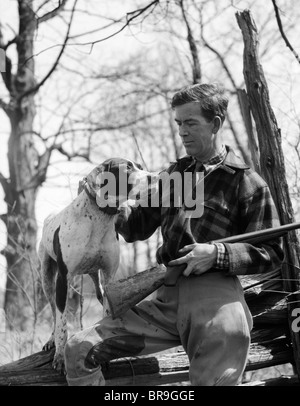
205, 314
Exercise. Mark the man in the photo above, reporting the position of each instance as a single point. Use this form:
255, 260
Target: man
205, 311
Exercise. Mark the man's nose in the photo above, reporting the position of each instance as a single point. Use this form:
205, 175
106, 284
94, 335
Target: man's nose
183, 131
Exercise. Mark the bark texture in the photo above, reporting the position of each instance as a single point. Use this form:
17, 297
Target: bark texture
272, 165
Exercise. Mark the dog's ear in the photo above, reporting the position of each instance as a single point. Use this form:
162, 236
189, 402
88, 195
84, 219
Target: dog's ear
93, 177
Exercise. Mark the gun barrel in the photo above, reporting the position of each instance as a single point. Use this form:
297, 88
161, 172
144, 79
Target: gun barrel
254, 237
261, 235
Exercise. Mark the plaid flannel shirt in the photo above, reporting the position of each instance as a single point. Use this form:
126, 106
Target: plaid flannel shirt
236, 201
222, 261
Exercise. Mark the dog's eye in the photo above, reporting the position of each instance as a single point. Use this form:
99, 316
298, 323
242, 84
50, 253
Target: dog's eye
137, 165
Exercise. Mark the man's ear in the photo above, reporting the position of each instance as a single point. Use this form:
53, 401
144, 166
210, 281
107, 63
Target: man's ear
217, 124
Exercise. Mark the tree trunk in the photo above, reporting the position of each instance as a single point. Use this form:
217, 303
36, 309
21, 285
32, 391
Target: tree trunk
272, 165
21, 188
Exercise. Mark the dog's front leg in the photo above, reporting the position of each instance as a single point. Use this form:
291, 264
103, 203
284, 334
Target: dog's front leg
61, 336
60, 333
48, 273
61, 297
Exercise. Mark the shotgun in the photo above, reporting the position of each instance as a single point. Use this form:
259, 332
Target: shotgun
123, 294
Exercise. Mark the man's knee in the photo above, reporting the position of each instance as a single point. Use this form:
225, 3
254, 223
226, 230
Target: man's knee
220, 359
229, 377
223, 365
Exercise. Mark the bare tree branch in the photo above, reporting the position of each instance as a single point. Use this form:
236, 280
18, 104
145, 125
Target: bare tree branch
131, 16
193, 47
287, 42
97, 128
139, 150
41, 6
53, 13
70, 156
37, 86
41, 171
222, 60
43, 165
83, 34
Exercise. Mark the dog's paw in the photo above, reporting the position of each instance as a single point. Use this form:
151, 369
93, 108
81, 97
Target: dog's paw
59, 364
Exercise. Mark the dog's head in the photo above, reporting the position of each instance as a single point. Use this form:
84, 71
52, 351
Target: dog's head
118, 180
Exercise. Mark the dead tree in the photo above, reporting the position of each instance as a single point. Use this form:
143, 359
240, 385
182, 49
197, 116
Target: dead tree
272, 165
27, 167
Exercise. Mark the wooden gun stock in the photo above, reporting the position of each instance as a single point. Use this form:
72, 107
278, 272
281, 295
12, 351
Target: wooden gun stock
123, 294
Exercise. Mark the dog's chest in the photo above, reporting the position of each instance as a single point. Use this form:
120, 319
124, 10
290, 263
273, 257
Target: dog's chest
89, 240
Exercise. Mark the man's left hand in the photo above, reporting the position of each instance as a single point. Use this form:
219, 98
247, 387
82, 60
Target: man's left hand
199, 258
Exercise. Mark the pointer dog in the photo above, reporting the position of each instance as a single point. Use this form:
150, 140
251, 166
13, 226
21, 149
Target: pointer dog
81, 239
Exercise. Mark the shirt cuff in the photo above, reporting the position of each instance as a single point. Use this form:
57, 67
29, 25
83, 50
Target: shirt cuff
222, 261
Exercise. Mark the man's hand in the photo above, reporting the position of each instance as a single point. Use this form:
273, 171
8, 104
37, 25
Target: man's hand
199, 258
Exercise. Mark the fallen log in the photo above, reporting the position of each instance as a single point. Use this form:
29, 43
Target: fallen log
36, 369
270, 346
280, 381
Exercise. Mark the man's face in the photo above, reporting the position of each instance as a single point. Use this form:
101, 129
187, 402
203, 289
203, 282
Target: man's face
197, 133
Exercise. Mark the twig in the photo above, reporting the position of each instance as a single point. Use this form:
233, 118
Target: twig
193, 47
138, 148
53, 12
36, 87
129, 18
287, 42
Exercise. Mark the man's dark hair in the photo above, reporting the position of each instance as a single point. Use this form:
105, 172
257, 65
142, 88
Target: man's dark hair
211, 97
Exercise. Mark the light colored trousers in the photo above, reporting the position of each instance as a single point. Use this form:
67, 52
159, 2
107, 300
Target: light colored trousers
205, 314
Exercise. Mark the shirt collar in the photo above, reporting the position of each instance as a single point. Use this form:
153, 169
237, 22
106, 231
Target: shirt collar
233, 161
226, 159
217, 159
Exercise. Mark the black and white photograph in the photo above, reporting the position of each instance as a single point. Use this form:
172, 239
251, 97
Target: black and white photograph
149, 195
